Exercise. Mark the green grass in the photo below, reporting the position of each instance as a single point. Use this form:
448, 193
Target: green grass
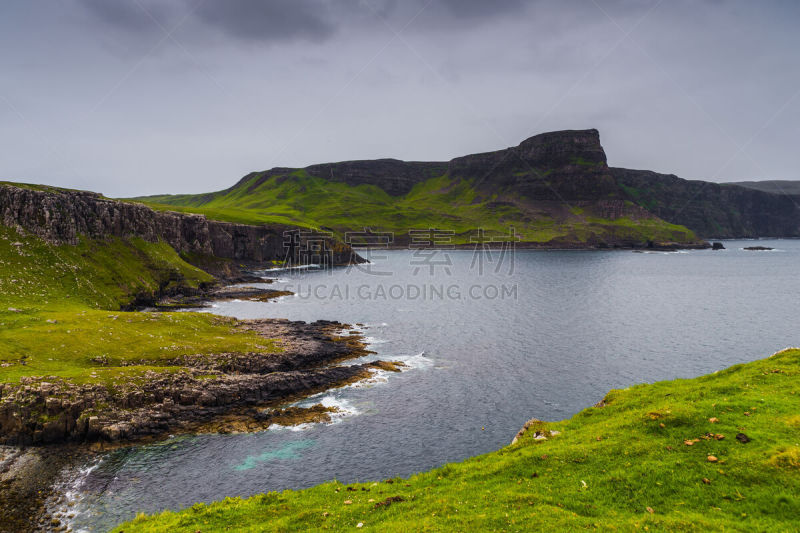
99, 274
60, 310
440, 202
623, 466
74, 344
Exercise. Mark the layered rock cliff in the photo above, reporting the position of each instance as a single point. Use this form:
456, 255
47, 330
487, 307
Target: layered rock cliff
724, 211
62, 216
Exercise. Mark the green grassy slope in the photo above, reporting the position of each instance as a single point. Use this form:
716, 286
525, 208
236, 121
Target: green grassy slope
60, 310
442, 202
624, 466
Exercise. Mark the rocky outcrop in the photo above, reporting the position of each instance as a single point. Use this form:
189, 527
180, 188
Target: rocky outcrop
563, 166
63, 216
46, 410
539, 429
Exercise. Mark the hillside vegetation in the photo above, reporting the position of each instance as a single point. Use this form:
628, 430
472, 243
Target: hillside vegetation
444, 202
719, 452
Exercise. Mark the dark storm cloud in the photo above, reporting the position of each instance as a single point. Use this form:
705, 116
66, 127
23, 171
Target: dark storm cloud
258, 20
287, 20
245, 20
131, 15
481, 8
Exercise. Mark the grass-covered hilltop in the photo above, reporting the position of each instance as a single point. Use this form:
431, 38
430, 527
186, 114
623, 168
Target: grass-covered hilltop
556, 189
716, 453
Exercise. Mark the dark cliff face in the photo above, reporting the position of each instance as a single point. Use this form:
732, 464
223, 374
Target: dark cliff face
711, 209
562, 166
62, 216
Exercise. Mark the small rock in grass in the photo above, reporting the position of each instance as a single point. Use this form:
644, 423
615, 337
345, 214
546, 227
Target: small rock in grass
389, 501
650, 510
741, 437
713, 419
706, 481
712, 459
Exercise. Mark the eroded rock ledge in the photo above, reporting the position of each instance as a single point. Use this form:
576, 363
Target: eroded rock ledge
188, 391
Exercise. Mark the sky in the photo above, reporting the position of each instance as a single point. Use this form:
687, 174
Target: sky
136, 97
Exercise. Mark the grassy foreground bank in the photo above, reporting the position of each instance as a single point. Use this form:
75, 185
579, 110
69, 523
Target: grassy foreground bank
718, 452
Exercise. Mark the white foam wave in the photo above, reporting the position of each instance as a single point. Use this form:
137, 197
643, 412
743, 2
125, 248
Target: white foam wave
344, 408
69, 511
417, 361
298, 427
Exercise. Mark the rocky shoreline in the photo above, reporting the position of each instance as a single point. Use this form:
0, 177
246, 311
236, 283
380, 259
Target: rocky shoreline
47, 424
46, 410
200, 299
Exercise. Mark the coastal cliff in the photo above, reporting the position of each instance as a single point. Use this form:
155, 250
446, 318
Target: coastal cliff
61, 216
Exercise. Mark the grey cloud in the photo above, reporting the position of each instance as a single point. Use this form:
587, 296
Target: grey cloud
481, 8
268, 21
274, 20
243, 20
130, 15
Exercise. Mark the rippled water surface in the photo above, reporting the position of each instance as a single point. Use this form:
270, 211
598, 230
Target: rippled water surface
487, 349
